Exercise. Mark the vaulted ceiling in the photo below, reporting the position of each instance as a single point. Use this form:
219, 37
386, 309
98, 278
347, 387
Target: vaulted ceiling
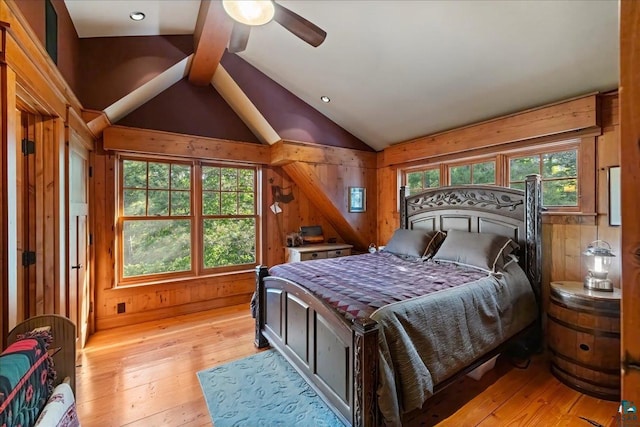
396, 70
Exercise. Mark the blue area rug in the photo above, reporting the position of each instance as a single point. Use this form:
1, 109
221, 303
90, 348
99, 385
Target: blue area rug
262, 390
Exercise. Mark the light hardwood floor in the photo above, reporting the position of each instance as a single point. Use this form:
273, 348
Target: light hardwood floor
145, 375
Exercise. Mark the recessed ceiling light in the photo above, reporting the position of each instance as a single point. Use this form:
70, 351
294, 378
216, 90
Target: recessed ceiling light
325, 99
137, 16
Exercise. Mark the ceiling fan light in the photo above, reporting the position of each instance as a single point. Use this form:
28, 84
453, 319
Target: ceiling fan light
250, 12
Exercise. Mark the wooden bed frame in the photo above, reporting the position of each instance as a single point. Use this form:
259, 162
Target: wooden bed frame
339, 359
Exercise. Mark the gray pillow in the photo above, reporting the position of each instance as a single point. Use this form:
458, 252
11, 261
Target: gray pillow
413, 243
485, 251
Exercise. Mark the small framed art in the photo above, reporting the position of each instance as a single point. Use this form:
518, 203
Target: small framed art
357, 199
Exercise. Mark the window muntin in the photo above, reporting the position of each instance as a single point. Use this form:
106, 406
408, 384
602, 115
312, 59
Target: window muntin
559, 172
166, 230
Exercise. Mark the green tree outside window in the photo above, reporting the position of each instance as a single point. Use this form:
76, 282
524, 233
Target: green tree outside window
158, 220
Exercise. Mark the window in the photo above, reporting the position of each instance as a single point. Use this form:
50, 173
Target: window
51, 30
421, 180
475, 173
556, 163
559, 171
229, 216
482, 172
165, 231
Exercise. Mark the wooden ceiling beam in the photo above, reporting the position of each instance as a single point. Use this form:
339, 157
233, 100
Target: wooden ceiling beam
211, 36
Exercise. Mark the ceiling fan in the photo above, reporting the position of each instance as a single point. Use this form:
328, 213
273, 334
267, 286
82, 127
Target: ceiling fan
251, 13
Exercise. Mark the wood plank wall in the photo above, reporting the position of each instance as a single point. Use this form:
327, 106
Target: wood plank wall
564, 237
33, 87
32, 77
337, 169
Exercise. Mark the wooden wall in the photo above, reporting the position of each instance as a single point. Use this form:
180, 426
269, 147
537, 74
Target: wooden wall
335, 168
564, 236
318, 177
37, 104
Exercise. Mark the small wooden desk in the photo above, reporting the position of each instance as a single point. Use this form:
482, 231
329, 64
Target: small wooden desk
319, 251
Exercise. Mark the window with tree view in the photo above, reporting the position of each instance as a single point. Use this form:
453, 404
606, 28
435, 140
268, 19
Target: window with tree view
167, 230
229, 216
421, 180
559, 171
474, 173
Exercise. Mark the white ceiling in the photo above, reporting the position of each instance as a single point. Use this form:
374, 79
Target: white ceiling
396, 70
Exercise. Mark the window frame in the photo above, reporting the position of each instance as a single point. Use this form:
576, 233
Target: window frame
585, 152
196, 218
202, 217
422, 170
541, 153
470, 163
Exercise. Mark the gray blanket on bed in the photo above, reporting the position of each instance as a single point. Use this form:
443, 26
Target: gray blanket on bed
457, 326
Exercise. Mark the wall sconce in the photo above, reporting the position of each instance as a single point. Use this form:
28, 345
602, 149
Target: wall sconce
598, 259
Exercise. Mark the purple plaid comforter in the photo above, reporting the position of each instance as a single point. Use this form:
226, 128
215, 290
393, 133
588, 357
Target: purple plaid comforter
457, 323
356, 286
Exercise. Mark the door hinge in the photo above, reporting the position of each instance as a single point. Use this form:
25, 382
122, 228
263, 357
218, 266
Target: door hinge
91, 307
91, 239
90, 171
28, 147
629, 364
28, 258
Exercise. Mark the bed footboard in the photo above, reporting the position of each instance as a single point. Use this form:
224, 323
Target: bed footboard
337, 358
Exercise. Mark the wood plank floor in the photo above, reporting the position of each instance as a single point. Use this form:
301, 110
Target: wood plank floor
145, 375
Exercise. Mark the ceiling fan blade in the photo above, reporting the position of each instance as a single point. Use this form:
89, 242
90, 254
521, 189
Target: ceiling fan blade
239, 37
299, 26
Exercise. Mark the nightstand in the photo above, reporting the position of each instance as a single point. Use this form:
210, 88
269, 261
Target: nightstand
319, 251
584, 338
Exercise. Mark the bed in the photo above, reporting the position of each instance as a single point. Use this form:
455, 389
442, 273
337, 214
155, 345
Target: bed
373, 364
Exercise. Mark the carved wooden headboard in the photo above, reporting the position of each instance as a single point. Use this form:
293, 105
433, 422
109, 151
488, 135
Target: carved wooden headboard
489, 209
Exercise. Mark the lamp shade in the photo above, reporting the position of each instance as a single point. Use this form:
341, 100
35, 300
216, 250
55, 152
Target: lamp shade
250, 12
598, 258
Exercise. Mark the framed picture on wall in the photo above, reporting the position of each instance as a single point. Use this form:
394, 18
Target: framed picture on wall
357, 199
615, 213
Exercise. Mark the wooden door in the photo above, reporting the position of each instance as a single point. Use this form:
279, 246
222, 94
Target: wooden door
630, 180
79, 297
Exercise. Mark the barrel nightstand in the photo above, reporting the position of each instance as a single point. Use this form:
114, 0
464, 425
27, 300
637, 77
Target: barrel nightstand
584, 338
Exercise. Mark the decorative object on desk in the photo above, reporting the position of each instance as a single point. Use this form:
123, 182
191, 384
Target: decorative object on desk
294, 240
262, 389
615, 214
312, 234
357, 199
598, 258
372, 248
